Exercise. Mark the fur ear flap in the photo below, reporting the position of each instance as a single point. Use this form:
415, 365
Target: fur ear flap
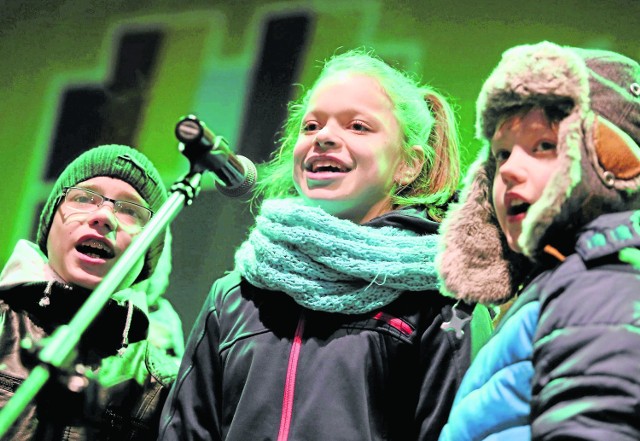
617, 153
475, 262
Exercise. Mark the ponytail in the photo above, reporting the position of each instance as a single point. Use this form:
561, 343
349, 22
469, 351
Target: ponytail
437, 182
444, 175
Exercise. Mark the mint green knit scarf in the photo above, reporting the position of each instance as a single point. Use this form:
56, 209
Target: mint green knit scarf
329, 264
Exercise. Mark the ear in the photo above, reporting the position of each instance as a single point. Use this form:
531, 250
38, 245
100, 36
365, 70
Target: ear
409, 169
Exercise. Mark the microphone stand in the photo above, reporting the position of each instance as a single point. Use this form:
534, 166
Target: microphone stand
58, 351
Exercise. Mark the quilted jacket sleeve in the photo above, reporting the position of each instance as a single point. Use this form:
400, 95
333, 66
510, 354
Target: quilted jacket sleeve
586, 383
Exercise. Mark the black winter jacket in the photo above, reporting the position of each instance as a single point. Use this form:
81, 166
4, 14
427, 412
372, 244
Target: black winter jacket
258, 366
128, 409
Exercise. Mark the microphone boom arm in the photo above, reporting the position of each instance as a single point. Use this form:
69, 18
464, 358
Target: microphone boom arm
237, 174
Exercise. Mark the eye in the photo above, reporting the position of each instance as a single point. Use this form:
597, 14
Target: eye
128, 211
131, 210
501, 155
545, 146
82, 197
360, 126
310, 126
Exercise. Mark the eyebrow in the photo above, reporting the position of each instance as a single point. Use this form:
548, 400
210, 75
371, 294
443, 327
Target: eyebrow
125, 197
352, 113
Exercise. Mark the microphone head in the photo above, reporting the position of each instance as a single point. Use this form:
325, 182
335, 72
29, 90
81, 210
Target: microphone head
250, 178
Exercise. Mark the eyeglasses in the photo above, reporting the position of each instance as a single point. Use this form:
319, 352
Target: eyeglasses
84, 200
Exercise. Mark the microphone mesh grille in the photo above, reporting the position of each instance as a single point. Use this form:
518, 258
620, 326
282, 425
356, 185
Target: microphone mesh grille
251, 175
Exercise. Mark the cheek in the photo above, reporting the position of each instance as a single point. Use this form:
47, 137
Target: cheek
299, 154
123, 240
398, 167
497, 193
391, 160
57, 232
57, 244
543, 179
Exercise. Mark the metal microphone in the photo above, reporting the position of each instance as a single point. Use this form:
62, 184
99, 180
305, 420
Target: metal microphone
236, 174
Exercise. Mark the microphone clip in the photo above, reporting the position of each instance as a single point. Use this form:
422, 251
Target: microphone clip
236, 175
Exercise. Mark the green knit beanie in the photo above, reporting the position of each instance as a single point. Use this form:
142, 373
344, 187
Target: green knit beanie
115, 161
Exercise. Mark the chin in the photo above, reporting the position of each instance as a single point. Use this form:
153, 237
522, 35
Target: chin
513, 244
328, 204
321, 194
89, 284
85, 280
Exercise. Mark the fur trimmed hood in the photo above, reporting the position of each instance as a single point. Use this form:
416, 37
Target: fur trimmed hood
598, 155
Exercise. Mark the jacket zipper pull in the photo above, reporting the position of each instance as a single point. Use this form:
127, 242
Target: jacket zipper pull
45, 300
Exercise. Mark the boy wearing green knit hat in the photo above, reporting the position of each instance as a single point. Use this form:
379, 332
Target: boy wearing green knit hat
130, 173
96, 208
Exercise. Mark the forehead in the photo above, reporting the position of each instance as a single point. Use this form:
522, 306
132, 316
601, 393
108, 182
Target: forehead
357, 91
523, 125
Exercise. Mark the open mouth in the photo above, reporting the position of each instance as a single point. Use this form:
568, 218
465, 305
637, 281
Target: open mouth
518, 207
96, 249
326, 165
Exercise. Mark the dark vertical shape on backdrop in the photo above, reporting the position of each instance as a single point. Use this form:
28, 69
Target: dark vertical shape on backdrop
277, 66
108, 113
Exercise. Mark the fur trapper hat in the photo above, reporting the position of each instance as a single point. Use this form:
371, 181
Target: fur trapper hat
598, 156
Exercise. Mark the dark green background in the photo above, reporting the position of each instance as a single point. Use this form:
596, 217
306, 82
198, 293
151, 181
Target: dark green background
206, 64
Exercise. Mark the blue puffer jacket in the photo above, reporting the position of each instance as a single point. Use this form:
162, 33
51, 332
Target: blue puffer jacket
574, 332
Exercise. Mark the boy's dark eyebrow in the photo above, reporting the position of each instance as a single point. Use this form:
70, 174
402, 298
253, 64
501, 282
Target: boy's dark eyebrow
124, 198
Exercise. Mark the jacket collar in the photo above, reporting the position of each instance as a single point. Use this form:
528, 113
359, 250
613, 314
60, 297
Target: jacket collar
412, 218
608, 234
26, 264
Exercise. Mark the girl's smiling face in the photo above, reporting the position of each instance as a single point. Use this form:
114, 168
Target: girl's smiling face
348, 155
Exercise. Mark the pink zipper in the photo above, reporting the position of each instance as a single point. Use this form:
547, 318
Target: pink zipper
290, 382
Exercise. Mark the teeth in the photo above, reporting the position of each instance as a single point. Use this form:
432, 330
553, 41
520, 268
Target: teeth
98, 245
327, 163
95, 244
517, 206
95, 248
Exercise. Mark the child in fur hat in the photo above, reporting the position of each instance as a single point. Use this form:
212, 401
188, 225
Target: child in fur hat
96, 207
547, 209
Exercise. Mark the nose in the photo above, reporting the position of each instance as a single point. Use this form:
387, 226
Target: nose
513, 171
104, 217
325, 139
